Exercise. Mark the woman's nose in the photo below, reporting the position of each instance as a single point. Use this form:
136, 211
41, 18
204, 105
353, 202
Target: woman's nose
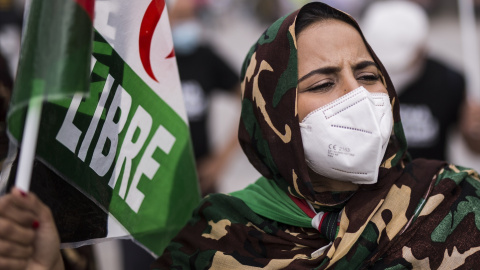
349, 84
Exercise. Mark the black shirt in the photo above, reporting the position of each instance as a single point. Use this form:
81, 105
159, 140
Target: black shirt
428, 107
201, 73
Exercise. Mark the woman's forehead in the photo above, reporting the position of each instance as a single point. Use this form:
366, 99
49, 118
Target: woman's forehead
323, 26
331, 41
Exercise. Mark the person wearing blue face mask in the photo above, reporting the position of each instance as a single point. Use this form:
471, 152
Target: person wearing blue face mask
202, 72
186, 37
313, 93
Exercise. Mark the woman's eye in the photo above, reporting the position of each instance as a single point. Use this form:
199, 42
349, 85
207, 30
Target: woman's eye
369, 77
320, 87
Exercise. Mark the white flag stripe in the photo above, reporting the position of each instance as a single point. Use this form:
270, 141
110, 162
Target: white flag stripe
127, 15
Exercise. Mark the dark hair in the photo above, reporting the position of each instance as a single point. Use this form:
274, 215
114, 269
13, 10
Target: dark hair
5, 77
317, 12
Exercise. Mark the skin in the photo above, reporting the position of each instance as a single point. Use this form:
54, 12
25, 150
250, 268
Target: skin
331, 44
24, 245
470, 124
209, 168
332, 61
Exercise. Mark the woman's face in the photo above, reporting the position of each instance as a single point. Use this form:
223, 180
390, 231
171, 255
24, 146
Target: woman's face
332, 61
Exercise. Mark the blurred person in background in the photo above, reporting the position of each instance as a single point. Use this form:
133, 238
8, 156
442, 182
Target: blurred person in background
397, 30
431, 6
428, 5
10, 31
6, 85
202, 71
353, 7
267, 12
352, 202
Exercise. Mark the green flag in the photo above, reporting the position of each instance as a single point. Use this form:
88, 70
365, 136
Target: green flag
53, 61
126, 145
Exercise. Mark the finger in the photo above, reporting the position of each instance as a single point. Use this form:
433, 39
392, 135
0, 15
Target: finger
32, 203
41, 211
12, 263
16, 209
11, 231
14, 250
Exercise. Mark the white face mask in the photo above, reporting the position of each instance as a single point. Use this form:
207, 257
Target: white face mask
346, 139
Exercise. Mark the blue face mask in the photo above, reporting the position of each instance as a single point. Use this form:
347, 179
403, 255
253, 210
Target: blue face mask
186, 36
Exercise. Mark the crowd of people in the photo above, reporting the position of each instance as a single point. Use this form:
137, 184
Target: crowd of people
388, 203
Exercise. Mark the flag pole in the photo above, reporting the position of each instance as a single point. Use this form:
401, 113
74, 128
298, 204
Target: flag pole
29, 143
471, 58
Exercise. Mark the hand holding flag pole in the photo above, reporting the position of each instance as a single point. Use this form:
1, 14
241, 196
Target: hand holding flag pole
54, 63
137, 169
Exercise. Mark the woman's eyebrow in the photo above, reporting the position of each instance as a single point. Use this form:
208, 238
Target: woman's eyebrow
323, 70
365, 64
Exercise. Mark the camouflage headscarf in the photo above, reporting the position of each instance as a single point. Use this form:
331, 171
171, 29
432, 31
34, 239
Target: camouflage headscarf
269, 130
422, 214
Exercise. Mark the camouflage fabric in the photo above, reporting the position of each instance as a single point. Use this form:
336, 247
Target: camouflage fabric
422, 214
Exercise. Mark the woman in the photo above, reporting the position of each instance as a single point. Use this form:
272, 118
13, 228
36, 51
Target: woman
320, 121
